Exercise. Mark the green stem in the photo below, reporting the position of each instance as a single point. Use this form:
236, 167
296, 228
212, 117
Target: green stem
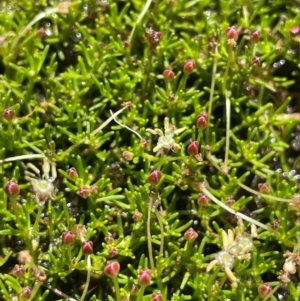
141, 293
211, 94
139, 20
88, 277
147, 74
117, 288
37, 220
149, 236
35, 289
162, 237
228, 109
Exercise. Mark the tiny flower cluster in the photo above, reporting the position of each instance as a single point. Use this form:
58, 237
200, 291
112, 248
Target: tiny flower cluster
290, 266
166, 140
235, 246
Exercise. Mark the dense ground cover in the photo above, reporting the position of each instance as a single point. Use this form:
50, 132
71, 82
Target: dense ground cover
149, 150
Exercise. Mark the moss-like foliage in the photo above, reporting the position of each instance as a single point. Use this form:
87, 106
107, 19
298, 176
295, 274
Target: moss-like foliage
149, 150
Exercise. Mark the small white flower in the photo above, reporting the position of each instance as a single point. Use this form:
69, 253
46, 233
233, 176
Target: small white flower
43, 187
166, 139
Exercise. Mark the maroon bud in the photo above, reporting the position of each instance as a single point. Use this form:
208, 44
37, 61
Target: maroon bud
134, 289
112, 252
72, 173
202, 199
109, 239
18, 270
144, 277
264, 290
137, 216
112, 269
275, 225
154, 177
193, 148
294, 31
255, 37
189, 66
126, 44
188, 172
9, 114
264, 188
229, 202
12, 189
256, 60
128, 156
144, 142
232, 33
68, 238
190, 235
156, 297
168, 75
94, 189
26, 292
201, 122
171, 97
83, 192
41, 32
87, 247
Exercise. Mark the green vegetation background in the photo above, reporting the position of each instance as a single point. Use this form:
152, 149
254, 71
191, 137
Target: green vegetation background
67, 67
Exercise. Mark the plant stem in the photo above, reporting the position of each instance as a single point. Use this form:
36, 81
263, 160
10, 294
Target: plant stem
212, 91
117, 288
37, 220
149, 236
147, 74
88, 277
139, 20
230, 210
228, 109
141, 293
161, 226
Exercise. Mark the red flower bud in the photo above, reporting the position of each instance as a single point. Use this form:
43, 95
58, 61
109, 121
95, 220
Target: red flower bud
193, 148
264, 290
144, 277
128, 156
264, 188
83, 192
232, 33
12, 189
87, 247
112, 269
137, 216
18, 270
154, 177
255, 37
294, 31
156, 297
202, 199
201, 122
190, 235
144, 142
256, 60
68, 238
9, 114
109, 239
168, 75
229, 202
94, 189
26, 292
72, 173
112, 252
189, 66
